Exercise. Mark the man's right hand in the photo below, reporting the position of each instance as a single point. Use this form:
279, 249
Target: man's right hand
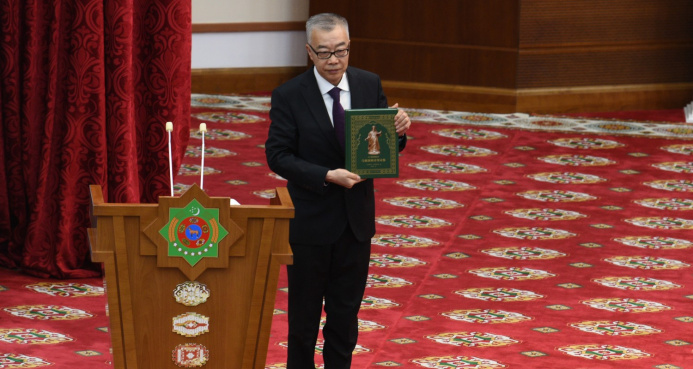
343, 178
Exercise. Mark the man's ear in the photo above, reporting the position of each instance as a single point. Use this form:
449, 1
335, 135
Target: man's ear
310, 54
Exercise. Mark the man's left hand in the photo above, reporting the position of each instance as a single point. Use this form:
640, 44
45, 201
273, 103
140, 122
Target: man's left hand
402, 121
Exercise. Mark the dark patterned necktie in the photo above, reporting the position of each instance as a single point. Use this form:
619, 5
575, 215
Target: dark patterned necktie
337, 115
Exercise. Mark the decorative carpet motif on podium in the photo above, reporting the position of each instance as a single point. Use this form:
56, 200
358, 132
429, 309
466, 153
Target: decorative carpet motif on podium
508, 241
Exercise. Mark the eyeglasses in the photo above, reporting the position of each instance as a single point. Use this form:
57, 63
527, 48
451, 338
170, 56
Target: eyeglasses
340, 53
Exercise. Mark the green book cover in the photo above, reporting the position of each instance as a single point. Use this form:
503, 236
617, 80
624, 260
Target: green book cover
370, 142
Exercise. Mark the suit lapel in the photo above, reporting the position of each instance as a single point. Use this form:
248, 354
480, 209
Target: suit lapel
357, 98
316, 105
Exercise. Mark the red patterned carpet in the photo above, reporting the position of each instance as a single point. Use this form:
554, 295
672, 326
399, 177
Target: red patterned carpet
509, 241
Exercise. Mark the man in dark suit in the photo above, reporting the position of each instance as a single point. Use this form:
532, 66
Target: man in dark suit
334, 220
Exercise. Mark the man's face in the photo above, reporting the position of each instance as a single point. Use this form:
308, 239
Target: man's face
331, 69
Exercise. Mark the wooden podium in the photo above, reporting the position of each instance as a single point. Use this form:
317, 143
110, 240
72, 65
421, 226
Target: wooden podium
191, 281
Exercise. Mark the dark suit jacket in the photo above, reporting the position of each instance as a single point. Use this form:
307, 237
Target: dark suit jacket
302, 147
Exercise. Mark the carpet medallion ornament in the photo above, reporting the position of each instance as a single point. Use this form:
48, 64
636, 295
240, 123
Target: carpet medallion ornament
369, 326
472, 339
524, 253
458, 150
685, 149
655, 242
604, 352
556, 196
667, 203
402, 240
19, 361
210, 152
662, 222
680, 185
615, 328
636, 283
31, 336
512, 273
626, 305
545, 214
647, 262
194, 170
384, 281
486, 316
475, 118
534, 233
412, 221
415, 202
447, 167
228, 117
394, 261
220, 134
470, 134
567, 178
576, 160
66, 289
458, 362
47, 312
214, 100
371, 302
436, 185
586, 143
499, 294
675, 166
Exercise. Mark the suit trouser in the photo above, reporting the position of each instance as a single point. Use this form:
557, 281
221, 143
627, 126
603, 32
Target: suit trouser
338, 273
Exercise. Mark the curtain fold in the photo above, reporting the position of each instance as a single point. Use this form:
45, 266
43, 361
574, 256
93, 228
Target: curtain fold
87, 89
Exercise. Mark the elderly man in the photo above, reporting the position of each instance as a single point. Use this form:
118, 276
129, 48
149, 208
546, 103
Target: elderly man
334, 220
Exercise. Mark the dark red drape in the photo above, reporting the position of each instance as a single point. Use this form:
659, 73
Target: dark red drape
87, 87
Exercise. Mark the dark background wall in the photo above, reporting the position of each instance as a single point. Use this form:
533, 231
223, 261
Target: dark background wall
535, 56
525, 55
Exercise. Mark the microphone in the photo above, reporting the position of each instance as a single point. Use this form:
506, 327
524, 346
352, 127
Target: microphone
169, 129
203, 129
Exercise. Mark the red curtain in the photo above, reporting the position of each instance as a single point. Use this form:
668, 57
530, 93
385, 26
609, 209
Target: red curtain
87, 87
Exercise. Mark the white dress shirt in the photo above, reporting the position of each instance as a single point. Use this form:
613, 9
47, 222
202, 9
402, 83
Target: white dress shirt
325, 87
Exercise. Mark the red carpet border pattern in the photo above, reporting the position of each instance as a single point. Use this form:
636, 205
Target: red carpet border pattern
508, 241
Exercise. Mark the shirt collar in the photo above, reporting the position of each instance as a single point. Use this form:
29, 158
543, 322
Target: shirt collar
325, 86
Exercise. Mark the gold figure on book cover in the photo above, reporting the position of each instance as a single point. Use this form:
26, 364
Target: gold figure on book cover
373, 143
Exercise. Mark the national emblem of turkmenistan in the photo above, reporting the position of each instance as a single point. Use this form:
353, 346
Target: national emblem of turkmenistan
193, 232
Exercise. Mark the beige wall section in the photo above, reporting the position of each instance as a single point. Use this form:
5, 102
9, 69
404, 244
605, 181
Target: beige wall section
244, 46
248, 11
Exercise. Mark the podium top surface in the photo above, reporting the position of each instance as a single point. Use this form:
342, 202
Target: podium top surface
280, 206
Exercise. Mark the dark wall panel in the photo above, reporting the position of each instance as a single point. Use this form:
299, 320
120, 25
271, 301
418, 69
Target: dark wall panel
605, 66
604, 22
470, 42
526, 48
605, 42
436, 63
452, 22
